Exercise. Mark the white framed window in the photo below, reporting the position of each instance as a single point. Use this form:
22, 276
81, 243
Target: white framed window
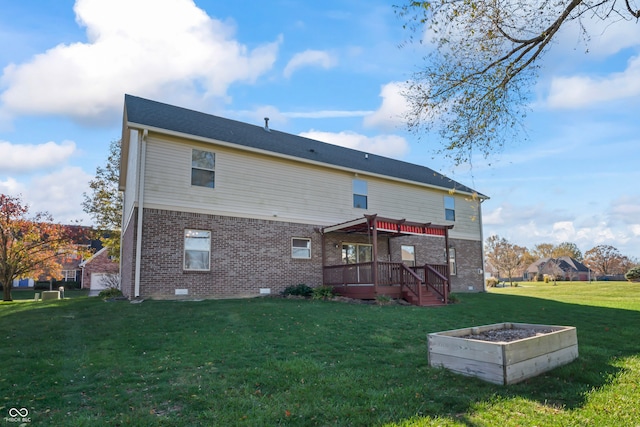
453, 267
408, 255
197, 250
301, 248
449, 208
360, 194
69, 275
203, 165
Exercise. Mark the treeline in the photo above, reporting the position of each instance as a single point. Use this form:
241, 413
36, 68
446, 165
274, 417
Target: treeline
508, 260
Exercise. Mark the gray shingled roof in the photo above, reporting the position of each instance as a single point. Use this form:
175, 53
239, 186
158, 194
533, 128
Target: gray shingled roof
155, 114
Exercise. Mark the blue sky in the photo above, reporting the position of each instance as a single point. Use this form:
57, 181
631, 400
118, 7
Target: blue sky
329, 70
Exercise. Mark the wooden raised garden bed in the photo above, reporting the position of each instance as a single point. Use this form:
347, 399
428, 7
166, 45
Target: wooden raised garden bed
503, 353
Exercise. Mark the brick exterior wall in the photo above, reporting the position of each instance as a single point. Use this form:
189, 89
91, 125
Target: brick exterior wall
100, 263
470, 274
250, 254
431, 250
246, 255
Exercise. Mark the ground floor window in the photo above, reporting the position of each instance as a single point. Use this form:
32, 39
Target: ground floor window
452, 261
300, 248
197, 250
408, 255
354, 253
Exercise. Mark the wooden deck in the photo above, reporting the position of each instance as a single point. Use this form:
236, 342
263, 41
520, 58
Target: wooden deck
426, 285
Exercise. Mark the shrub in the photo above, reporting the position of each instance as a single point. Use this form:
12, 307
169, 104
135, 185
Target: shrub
383, 299
323, 292
44, 285
453, 298
110, 293
301, 290
69, 285
492, 282
633, 275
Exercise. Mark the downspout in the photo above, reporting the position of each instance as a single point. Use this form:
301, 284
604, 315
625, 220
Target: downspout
142, 159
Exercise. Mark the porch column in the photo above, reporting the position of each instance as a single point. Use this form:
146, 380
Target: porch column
374, 273
324, 256
448, 262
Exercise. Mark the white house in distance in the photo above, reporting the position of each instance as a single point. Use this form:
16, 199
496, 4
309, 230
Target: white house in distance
218, 208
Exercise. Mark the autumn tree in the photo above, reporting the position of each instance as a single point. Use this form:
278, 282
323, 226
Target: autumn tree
543, 250
549, 250
567, 249
104, 202
603, 259
28, 246
475, 85
505, 256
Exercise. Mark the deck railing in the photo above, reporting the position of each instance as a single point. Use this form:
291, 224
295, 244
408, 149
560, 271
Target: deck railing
411, 281
391, 273
436, 278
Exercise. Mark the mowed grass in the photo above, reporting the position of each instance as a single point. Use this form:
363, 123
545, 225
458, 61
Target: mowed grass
270, 361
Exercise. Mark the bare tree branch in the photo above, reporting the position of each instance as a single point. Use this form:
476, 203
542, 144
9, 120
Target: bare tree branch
475, 85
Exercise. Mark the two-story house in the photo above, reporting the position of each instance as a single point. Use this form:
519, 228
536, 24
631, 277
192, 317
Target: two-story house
219, 208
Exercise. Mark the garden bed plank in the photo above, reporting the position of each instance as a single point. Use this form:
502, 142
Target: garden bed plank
502, 362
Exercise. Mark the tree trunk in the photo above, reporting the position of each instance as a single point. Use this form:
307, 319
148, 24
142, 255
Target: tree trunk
6, 292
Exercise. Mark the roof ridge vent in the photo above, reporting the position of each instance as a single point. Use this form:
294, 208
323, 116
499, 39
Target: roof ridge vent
266, 124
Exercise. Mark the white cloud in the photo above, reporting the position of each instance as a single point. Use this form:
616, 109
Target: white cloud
309, 58
11, 186
327, 114
257, 116
23, 158
626, 210
143, 47
384, 145
606, 36
59, 193
585, 91
393, 110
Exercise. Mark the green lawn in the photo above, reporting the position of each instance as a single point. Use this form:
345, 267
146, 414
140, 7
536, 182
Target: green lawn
264, 362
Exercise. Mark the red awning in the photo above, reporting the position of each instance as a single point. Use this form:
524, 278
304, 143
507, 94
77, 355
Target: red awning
398, 227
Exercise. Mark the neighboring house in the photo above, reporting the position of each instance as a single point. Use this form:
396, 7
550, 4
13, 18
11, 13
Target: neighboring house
562, 268
70, 260
97, 269
219, 208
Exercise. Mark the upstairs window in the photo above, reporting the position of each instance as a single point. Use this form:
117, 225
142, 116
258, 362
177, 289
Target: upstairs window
203, 168
360, 194
300, 248
449, 208
197, 250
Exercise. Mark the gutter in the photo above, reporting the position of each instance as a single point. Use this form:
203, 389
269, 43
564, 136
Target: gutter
484, 281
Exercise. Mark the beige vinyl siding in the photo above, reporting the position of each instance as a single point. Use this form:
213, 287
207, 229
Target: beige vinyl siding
256, 185
130, 195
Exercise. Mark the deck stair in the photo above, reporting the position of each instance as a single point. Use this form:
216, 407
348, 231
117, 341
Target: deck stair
429, 298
